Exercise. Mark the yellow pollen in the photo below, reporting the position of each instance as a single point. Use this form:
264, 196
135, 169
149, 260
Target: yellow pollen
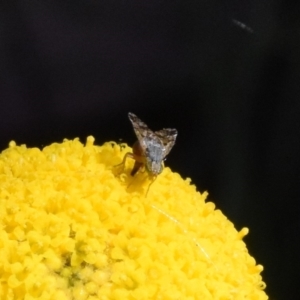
71, 229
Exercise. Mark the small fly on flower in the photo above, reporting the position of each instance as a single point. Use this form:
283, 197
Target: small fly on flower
150, 149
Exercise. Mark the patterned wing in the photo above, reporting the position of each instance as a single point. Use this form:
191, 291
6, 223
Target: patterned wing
168, 138
141, 130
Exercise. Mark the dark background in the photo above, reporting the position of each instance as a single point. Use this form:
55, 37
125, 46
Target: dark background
224, 73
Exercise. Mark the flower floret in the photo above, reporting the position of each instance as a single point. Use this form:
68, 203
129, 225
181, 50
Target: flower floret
73, 225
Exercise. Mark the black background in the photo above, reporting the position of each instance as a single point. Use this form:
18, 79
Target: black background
226, 74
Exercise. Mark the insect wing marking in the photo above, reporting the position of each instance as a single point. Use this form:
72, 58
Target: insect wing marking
168, 138
141, 130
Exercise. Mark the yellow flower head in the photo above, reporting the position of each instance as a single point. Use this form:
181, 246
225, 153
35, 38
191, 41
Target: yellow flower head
72, 227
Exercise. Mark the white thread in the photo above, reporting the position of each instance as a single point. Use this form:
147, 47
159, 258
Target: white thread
174, 220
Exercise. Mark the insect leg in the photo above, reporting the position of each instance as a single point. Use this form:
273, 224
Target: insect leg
136, 167
153, 179
128, 154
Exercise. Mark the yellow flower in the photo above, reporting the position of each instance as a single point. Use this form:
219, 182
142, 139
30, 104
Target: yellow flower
72, 227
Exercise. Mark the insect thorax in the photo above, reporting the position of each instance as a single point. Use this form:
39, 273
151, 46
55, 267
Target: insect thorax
154, 156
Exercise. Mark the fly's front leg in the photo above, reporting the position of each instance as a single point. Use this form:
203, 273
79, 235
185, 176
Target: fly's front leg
137, 156
128, 154
136, 167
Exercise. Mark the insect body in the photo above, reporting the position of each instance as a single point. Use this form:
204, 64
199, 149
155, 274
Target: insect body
151, 148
